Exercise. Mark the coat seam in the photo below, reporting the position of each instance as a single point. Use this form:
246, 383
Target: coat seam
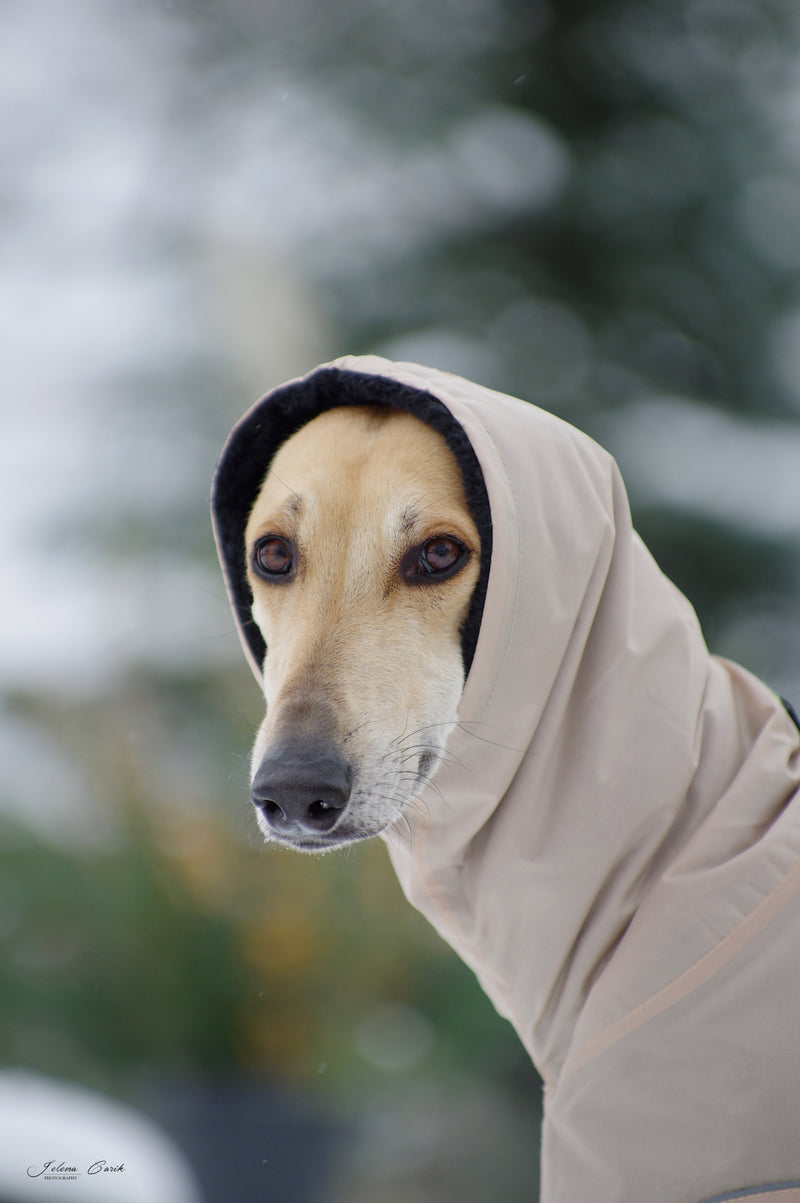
697, 975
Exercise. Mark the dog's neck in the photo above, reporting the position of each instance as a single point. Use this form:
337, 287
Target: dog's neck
647, 767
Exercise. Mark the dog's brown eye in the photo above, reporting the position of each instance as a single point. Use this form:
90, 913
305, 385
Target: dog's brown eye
440, 554
436, 560
273, 557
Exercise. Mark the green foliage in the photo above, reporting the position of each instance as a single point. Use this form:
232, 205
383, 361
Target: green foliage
109, 964
176, 944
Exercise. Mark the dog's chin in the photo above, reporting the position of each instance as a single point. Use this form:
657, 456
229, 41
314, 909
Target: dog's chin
322, 842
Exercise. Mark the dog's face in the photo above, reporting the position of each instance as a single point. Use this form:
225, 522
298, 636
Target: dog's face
362, 559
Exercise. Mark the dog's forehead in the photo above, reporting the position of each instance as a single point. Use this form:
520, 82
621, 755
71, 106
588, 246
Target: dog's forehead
344, 452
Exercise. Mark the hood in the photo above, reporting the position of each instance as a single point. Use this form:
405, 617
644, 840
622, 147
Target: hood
607, 772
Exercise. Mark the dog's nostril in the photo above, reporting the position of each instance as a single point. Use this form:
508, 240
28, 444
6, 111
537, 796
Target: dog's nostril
275, 813
323, 813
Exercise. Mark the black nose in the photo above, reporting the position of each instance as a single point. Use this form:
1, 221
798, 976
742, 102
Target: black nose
301, 789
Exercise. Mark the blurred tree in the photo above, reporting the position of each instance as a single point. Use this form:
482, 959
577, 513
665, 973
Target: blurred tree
665, 264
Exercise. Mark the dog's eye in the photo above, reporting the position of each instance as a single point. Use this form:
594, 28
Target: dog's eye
273, 557
436, 560
440, 554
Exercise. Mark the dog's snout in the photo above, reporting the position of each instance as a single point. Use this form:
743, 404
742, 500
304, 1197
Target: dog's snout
301, 792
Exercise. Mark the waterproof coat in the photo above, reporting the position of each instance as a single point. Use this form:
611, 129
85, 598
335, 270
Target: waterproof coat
613, 843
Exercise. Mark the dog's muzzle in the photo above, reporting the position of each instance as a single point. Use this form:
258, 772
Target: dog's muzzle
302, 791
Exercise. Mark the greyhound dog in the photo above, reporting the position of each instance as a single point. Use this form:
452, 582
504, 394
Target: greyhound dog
465, 648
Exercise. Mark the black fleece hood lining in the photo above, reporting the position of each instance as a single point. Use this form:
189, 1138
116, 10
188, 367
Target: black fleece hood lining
254, 441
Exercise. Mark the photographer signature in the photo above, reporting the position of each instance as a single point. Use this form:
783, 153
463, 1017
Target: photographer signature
62, 1169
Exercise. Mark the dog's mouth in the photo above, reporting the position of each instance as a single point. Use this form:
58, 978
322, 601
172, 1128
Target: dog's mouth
298, 842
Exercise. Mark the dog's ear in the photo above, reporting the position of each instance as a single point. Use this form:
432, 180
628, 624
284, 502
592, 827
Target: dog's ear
236, 483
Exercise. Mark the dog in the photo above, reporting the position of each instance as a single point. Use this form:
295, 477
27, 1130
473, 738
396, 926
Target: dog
362, 557
466, 649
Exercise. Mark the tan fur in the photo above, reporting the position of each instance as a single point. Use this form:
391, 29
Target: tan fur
358, 658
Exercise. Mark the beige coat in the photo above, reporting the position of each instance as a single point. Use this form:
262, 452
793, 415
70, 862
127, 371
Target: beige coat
613, 843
